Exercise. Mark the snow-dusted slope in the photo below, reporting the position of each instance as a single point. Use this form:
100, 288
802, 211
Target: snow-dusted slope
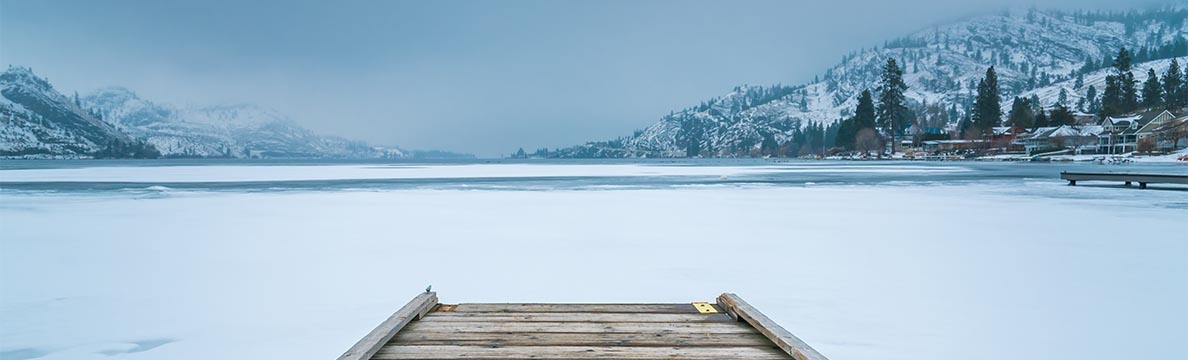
1033, 51
240, 130
36, 120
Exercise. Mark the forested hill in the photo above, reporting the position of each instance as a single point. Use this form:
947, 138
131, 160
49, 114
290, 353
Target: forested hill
1034, 52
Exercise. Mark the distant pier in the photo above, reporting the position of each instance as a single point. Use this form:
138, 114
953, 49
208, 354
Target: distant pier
1126, 178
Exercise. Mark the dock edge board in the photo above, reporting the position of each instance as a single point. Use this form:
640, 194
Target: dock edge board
741, 310
373, 341
731, 304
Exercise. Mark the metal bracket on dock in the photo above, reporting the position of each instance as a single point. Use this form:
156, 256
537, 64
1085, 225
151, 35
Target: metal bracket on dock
705, 307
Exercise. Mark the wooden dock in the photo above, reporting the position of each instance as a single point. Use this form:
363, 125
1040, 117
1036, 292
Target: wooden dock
1126, 178
727, 329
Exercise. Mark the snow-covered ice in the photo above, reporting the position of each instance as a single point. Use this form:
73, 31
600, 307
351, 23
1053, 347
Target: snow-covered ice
904, 269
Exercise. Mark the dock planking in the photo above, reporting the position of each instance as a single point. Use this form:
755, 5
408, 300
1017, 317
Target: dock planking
1125, 178
730, 329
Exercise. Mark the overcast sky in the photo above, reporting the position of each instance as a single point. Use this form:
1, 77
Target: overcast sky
483, 77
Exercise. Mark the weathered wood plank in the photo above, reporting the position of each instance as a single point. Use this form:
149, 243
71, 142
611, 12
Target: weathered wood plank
431, 352
583, 339
686, 308
791, 344
1142, 179
578, 327
373, 341
574, 317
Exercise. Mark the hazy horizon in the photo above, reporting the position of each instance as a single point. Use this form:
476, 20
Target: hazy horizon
477, 77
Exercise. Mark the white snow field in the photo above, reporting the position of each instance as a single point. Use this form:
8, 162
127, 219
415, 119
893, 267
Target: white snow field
1024, 268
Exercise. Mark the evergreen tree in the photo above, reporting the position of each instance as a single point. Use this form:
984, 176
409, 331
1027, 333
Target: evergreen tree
1127, 85
1173, 87
987, 113
964, 125
1041, 119
1092, 104
1021, 115
1111, 98
690, 134
1061, 115
1152, 91
846, 132
865, 112
891, 99
1061, 99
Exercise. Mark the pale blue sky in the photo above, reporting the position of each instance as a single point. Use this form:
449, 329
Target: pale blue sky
477, 76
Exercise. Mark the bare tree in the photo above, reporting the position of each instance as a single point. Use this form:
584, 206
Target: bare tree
867, 141
1145, 145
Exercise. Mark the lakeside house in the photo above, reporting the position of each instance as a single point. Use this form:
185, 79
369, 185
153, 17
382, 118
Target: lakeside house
1152, 131
1081, 139
1160, 130
1120, 135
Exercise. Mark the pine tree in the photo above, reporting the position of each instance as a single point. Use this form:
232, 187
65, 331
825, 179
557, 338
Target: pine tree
1092, 104
847, 130
1152, 91
891, 99
1111, 98
1041, 120
1061, 115
1021, 116
1174, 94
1183, 97
964, 125
864, 113
1061, 99
1127, 85
986, 113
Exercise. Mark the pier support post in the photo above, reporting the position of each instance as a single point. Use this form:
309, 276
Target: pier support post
1127, 183
1142, 185
1072, 183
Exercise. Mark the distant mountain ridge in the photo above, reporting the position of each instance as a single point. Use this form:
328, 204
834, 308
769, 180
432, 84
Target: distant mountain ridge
1035, 53
38, 121
240, 130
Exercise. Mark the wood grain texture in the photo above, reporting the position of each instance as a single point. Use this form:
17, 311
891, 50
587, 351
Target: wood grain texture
579, 327
578, 352
574, 317
791, 344
685, 308
580, 339
373, 341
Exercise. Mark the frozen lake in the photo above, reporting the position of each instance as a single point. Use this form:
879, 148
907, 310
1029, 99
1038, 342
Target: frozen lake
294, 259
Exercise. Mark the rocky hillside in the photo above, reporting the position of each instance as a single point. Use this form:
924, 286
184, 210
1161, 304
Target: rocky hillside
1034, 52
241, 130
37, 121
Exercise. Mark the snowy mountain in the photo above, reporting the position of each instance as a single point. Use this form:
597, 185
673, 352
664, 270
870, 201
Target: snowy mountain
1034, 52
38, 121
241, 130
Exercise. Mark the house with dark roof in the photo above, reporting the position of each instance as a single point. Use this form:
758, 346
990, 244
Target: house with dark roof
1120, 135
1166, 133
1082, 139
